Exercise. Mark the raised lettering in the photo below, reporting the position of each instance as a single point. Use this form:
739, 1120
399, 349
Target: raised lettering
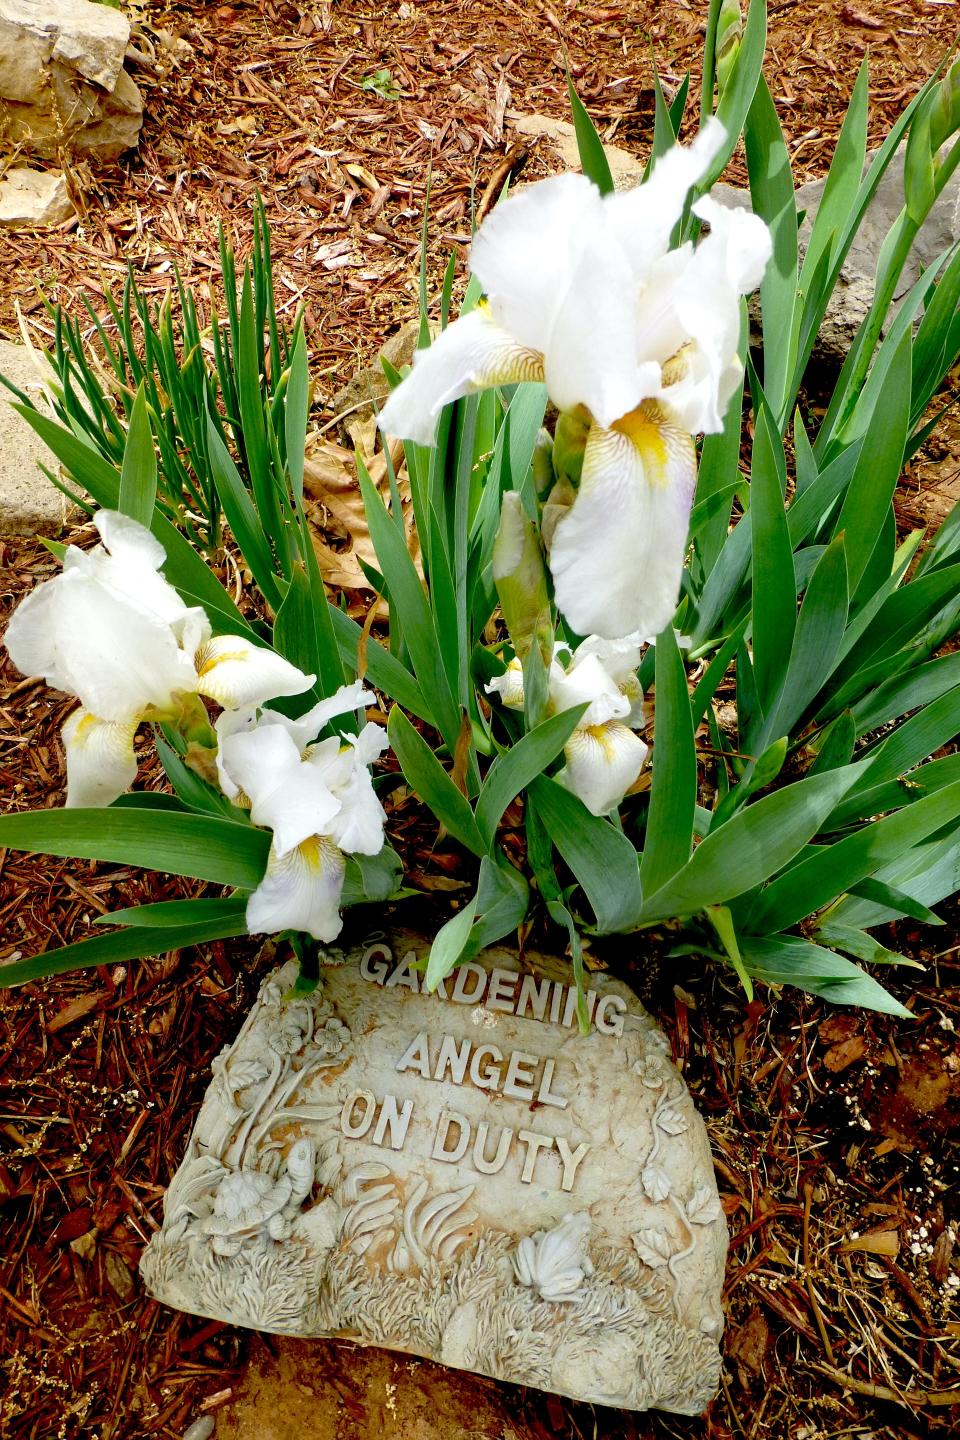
453, 1056
480, 1161
556, 1004
534, 1143
500, 996
368, 1100
398, 1121
521, 1074
416, 1056
614, 1026
460, 995
405, 974
440, 1151
375, 963
571, 1159
545, 1096
489, 1078
570, 1013
535, 993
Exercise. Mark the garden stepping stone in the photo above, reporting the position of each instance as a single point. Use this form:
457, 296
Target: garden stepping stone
461, 1175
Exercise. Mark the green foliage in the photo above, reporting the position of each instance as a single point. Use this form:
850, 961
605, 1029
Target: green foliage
381, 83
818, 798
152, 370
830, 628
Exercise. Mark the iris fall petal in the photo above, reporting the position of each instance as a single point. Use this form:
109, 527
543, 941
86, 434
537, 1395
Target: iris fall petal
617, 555
101, 765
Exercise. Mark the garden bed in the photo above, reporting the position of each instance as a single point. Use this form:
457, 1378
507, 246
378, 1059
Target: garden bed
834, 1132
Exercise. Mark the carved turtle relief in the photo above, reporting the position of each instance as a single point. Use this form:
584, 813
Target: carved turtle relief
461, 1175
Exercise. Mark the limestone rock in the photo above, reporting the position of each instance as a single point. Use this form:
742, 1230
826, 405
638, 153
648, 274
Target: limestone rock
34, 197
854, 290
495, 1190
92, 39
355, 401
29, 504
62, 82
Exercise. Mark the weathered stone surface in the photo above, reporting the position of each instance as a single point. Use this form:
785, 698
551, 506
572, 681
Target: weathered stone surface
34, 197
92, 39
29, 504
854, 290
463, 1176
62, 82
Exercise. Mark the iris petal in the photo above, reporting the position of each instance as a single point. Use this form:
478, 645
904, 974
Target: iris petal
603, 761
473, 353
300, 891
617, 555
101, 764
235, 673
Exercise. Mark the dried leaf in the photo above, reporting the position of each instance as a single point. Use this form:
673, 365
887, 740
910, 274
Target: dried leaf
846, 1053
335, 510
73, 1010
875, 1242
749, 1344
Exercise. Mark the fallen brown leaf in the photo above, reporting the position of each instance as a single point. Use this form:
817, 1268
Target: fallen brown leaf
336, 513
845, 1053
73, 1010
748, 1346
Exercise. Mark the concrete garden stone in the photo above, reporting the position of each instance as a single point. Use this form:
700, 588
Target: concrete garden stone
461, 1175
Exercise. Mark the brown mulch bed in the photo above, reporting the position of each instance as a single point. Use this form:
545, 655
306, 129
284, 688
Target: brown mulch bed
271, 97
835, 1133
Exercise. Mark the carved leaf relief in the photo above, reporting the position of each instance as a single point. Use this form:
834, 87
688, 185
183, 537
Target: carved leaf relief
704, 1206
656, 1183
652, 1246
673, 1121
435, 1227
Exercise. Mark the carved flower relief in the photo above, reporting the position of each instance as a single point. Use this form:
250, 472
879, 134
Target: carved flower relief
288, 1028
555, 1262
651, 1071
332, 1038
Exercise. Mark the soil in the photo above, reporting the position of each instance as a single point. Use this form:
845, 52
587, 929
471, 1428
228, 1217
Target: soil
835, 1133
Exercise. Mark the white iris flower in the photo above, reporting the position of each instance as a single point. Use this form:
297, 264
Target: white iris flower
113, 632
604, 755
318, 799
584, 294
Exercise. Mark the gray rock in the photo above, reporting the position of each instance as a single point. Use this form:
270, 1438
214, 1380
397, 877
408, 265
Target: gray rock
853, 294
92, 39
29, 504
34, 197
460, 1175
62, 82
201, 1429
355, 400
854, 289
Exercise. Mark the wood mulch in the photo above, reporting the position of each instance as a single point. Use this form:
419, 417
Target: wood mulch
835, 1134
338, 114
